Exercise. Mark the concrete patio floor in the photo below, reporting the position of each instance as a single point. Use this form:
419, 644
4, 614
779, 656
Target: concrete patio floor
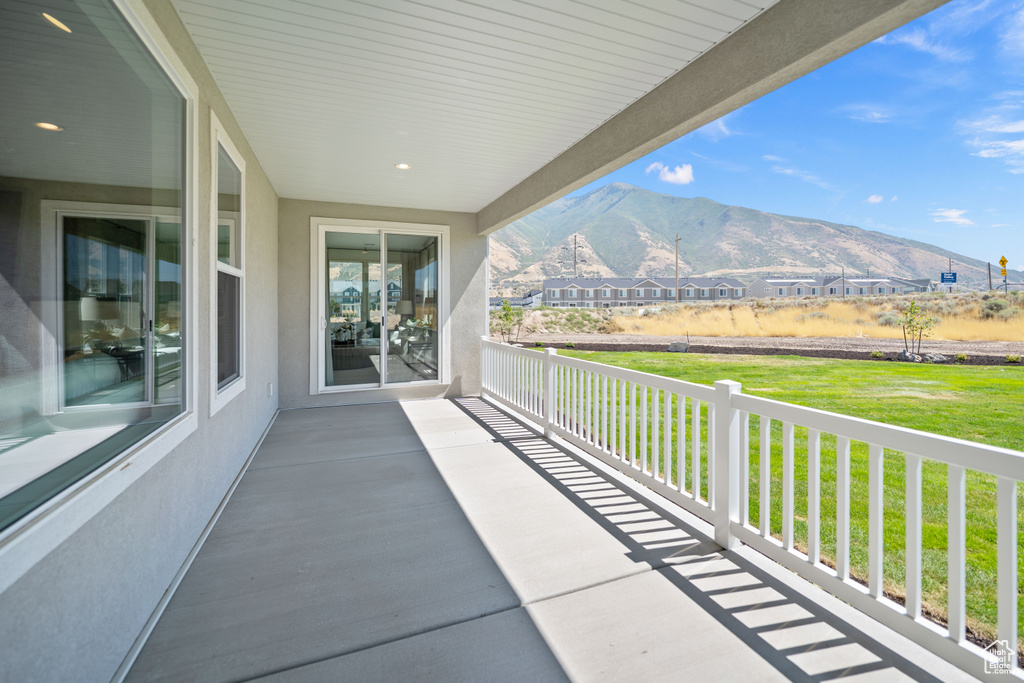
446, 541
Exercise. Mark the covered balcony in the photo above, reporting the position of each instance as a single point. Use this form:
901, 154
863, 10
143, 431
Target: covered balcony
463, 545
248, 426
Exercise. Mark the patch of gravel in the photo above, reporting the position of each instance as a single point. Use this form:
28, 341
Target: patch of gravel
855, 348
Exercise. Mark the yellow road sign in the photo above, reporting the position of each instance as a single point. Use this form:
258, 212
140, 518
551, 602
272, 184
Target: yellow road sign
1004, 272
1002, 262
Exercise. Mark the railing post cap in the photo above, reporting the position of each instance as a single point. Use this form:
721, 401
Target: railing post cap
550, 351
729, 385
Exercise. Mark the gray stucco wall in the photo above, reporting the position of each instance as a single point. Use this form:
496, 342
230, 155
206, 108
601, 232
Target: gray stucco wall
77, 612
468, 296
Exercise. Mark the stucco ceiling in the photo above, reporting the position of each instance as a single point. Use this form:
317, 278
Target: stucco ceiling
473, 95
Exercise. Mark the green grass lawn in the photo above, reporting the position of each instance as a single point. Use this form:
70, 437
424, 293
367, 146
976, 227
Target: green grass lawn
977, 403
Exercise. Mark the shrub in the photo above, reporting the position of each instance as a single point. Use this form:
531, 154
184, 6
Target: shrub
570, 345
993, 307
1008, 313
877, 354
1012, 358
961, 358
888, 320
537, 343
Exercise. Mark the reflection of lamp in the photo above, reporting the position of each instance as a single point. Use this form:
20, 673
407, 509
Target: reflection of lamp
93, 309
404, 307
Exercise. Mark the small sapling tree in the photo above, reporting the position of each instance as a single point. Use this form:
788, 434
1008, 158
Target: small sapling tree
916, 326
510, 320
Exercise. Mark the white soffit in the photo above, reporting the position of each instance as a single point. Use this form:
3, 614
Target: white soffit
474, 95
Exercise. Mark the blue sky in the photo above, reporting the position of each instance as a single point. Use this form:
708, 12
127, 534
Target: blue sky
919, 134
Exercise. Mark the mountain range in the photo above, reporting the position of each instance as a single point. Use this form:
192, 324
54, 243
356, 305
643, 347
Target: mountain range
624, 231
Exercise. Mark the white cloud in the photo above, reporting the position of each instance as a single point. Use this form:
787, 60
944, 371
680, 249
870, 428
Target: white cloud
680, 175
771, 157
1013, 36
918, 39
804, 176
955, 216
875, 198
716, 130
868, 113
894, 198
995, 136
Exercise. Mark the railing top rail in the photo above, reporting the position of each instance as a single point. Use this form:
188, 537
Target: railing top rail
976, 456
701, 392
526, 352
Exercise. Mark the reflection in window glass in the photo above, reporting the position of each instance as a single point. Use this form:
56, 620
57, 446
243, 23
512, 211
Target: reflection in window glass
90, 269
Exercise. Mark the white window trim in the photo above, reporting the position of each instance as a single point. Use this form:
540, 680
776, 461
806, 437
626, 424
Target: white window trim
723, 291
554, 293
703, 291
572, 293
319, 226
37, 534
221, 397
606, 293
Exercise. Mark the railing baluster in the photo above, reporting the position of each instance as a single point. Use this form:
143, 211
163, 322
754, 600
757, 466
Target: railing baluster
956, 579
643, 428
744, 468
680, 442
813, 496
667, 444
622, 419
605, 443
695, 448
1006, 540
765, 459
711, 454
842, 508
788, 444
655, 435
876, 484
912, 581
592, 437
632, 424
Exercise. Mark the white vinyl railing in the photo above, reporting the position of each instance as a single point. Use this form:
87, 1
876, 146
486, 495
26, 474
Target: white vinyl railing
691, 443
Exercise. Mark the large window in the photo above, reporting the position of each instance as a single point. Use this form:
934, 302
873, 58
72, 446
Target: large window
228, 259
93, 225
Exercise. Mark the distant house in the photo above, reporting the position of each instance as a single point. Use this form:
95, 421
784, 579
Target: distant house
531, 299
783, 288
617, 292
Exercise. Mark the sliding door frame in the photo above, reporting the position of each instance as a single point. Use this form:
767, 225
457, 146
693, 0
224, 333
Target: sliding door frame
319, 227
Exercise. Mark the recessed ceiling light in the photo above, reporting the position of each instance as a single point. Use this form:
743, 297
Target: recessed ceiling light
56, 22
48, 126
404, 167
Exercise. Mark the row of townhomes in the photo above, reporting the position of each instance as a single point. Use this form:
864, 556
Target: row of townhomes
616, 292
781, 288
209, 473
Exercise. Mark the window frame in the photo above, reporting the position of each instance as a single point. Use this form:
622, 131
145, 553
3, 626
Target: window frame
219, 138
68, 510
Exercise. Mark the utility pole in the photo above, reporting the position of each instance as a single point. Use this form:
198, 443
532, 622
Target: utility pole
844, 282
677, 267
575, 260
950, 270
990, 276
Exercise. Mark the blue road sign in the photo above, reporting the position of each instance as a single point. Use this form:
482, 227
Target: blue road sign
948, 278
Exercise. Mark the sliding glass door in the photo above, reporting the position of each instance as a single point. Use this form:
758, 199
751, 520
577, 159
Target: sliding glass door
121, 313
378, 302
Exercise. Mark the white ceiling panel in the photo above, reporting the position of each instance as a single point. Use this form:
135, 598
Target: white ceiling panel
475, 95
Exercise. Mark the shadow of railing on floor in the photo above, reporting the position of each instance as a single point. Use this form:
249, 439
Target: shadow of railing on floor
801, 639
